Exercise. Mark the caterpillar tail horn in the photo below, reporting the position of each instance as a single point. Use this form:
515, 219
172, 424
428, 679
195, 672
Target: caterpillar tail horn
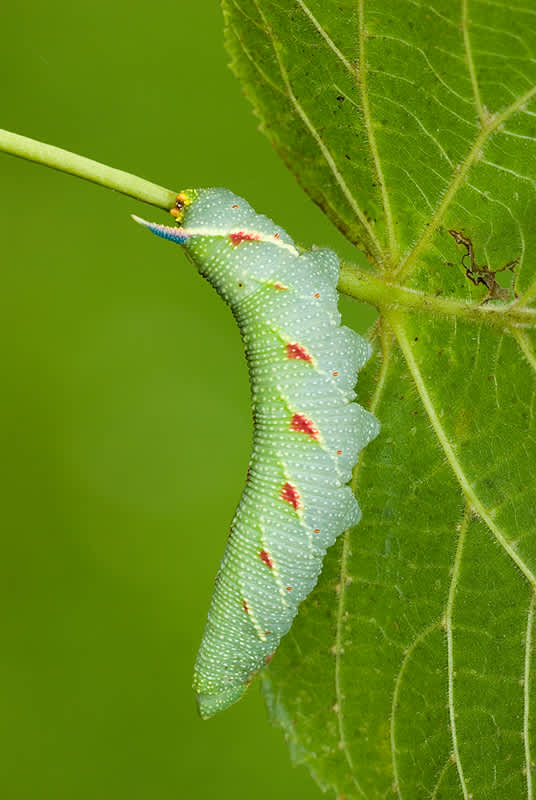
171, 232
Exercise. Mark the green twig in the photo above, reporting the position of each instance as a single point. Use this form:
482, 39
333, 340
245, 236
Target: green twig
111, 178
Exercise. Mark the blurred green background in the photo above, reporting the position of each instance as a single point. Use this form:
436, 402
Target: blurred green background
125, 417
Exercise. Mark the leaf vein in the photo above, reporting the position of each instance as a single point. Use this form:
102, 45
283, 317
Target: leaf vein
396, 691
420, 124
525, 346
470, 62
253, 62
329, 41
526, 695
501, 168
505, 7
371, 136
446, 766
429, 64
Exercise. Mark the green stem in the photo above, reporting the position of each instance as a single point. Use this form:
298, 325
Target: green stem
55, 157
385, 296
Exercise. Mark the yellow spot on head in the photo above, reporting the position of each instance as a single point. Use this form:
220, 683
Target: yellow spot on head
182, 201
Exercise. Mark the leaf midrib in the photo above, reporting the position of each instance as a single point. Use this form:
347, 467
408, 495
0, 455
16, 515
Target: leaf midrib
385, 295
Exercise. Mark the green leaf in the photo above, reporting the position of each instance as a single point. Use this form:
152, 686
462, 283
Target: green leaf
409, 671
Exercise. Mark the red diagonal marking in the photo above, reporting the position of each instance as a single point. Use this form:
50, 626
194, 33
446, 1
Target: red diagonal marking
264, 556
298, 351
291, 495
242, 236
303, 424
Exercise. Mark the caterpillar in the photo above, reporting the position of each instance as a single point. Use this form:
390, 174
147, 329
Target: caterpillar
308, 433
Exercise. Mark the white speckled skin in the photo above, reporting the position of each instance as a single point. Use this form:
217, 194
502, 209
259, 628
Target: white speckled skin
308, 432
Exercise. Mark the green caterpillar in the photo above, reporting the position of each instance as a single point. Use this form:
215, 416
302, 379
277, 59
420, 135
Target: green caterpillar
308, 432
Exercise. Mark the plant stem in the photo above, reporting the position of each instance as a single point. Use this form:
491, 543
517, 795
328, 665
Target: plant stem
385, 296
63, 160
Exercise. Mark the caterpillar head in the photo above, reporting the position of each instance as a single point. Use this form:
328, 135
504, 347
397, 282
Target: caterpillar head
203, 212
174, 233
217, 212
232, 246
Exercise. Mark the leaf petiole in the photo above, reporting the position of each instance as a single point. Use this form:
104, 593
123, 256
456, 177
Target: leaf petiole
86, 168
